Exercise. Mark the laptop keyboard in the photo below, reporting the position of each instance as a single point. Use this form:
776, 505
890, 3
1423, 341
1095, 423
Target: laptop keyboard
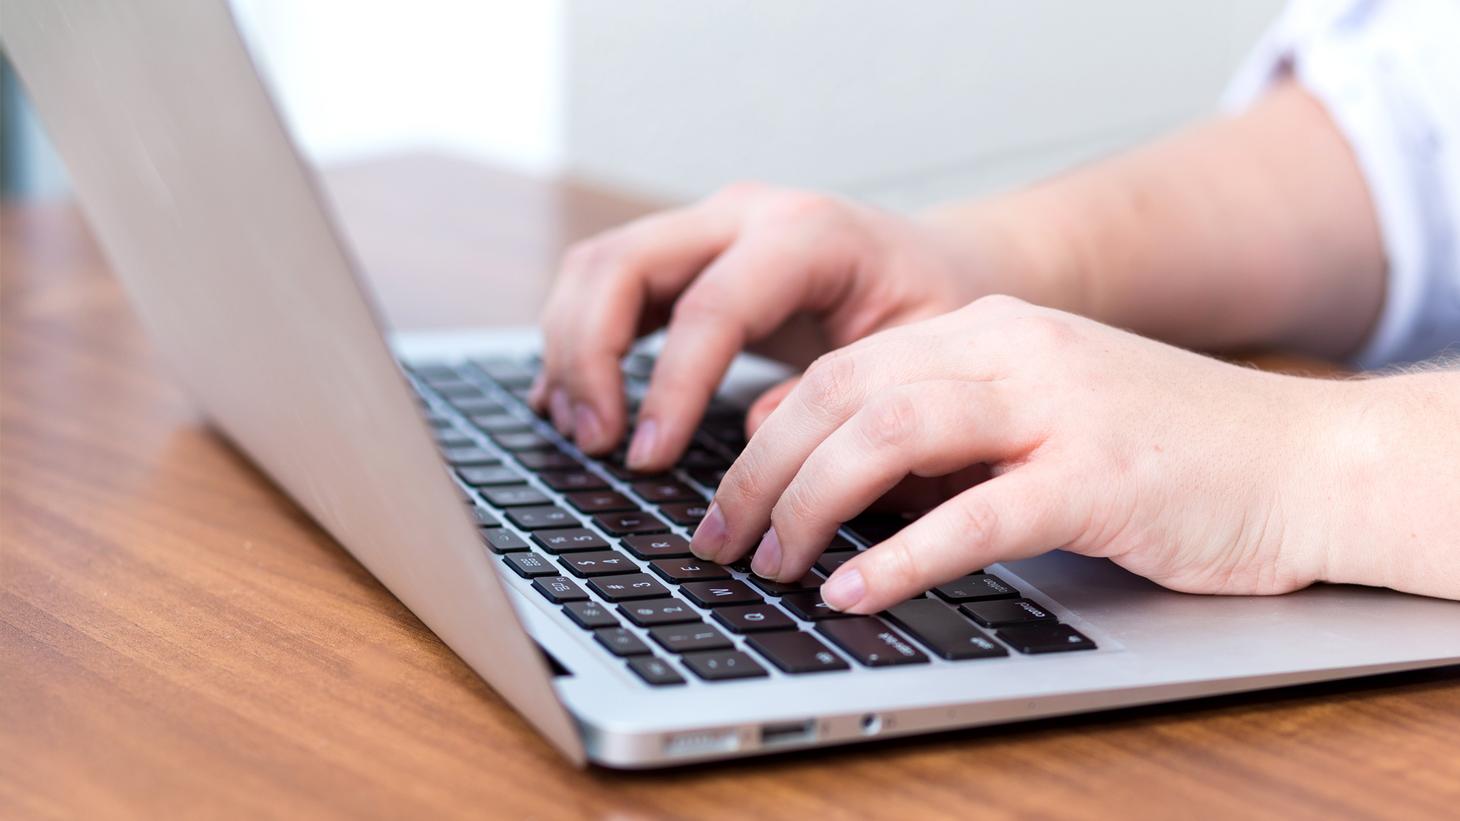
610, 548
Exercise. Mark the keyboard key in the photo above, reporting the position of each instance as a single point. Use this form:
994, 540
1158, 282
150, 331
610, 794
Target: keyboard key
720, 594
590, 615
485, 475
623, 524
872, 528
977, 587
514, 496
524, 440
483, 517
452, 438
949, 635
685, 514
829, 562
540, 460
807, 604
723, 665
796, 652
665, 546
654, 612
573, 480
773, 588
598, 563
621, 642
503, 541
659, 491
559, 589
688, 570
1045, 637
655, 671
602, 501
690, 638
698, 458
871, 642
499, 423
628, 586
709, 478
455, 388
571, 540
469, 455
1006, 612
753, 618
428, 371
475, 404
541, 518
509, 373
530, 565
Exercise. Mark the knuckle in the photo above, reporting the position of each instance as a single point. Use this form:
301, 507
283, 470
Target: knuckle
977, 522
900, 565
596, 256
1045, 331
996, 305
741, 480
701, 303
891, 421
797, 506
740, 190
828, 382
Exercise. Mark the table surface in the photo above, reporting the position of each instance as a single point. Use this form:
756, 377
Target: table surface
177, 637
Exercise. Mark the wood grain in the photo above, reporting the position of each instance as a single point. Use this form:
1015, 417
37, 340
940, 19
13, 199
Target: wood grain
177, 639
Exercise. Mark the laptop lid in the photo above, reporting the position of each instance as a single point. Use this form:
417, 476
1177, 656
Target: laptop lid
218, 232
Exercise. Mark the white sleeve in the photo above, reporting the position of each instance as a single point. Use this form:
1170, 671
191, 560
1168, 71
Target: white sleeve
1388, 72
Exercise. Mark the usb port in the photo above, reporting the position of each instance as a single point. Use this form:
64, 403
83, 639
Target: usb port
787, 732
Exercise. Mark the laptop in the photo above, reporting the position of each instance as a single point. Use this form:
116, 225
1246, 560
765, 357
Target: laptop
563, 580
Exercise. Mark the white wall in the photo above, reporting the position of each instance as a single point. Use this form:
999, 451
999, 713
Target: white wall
899, 103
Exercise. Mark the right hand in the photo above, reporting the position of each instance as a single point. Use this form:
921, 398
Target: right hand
723, 274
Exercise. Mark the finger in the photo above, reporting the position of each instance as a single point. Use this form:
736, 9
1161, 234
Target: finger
743, 295
596, 306
1018, 514
767, 402
926, 429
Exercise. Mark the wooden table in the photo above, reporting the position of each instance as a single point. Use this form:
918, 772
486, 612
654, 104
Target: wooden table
177, 638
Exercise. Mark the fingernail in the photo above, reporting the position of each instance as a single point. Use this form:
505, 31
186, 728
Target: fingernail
586, 425
767, 561
709, 537
562, 412
844, 589
641, 450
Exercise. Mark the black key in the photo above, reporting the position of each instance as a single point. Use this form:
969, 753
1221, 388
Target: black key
690, 638
571, 540
688, 570
664, 546
569, 481
829, 562
654, 612
455, 388
873, 528
598, 563
796, 652
627, 587
623, 524
871, 642
559, 589
753, 618
509, 373
476, 404
1044, 637
723, 665
602, 501
469, 455
590, 615
621, 642
659, 491
709, 478
948, 634
503, 541
773, 588
541, 518
483, 517
452, 438
840, 543
685, 514
546, 460
978, 587
1006, 612
429, 371
809, 605
514, 496
525, 440
698, 458
530, 565
488, 475
720, 594
655, 671
499, 423
437, 419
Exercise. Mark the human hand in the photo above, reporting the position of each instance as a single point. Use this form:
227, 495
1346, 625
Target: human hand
1201, 475
723, 274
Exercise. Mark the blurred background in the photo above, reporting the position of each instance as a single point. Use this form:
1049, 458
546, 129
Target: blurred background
900, 104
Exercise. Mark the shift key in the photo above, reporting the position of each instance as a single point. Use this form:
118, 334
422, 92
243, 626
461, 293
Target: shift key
871, 642
948, 634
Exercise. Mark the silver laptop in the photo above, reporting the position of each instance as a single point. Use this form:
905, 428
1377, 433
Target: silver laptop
563, 580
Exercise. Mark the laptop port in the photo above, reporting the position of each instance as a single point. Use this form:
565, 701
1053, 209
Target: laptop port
787, 732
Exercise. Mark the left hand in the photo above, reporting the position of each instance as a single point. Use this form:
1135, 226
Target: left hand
1201, 475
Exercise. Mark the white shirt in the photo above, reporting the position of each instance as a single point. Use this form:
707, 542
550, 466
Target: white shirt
1388, 71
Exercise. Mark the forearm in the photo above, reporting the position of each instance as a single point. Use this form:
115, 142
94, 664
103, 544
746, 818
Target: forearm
1252, 231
